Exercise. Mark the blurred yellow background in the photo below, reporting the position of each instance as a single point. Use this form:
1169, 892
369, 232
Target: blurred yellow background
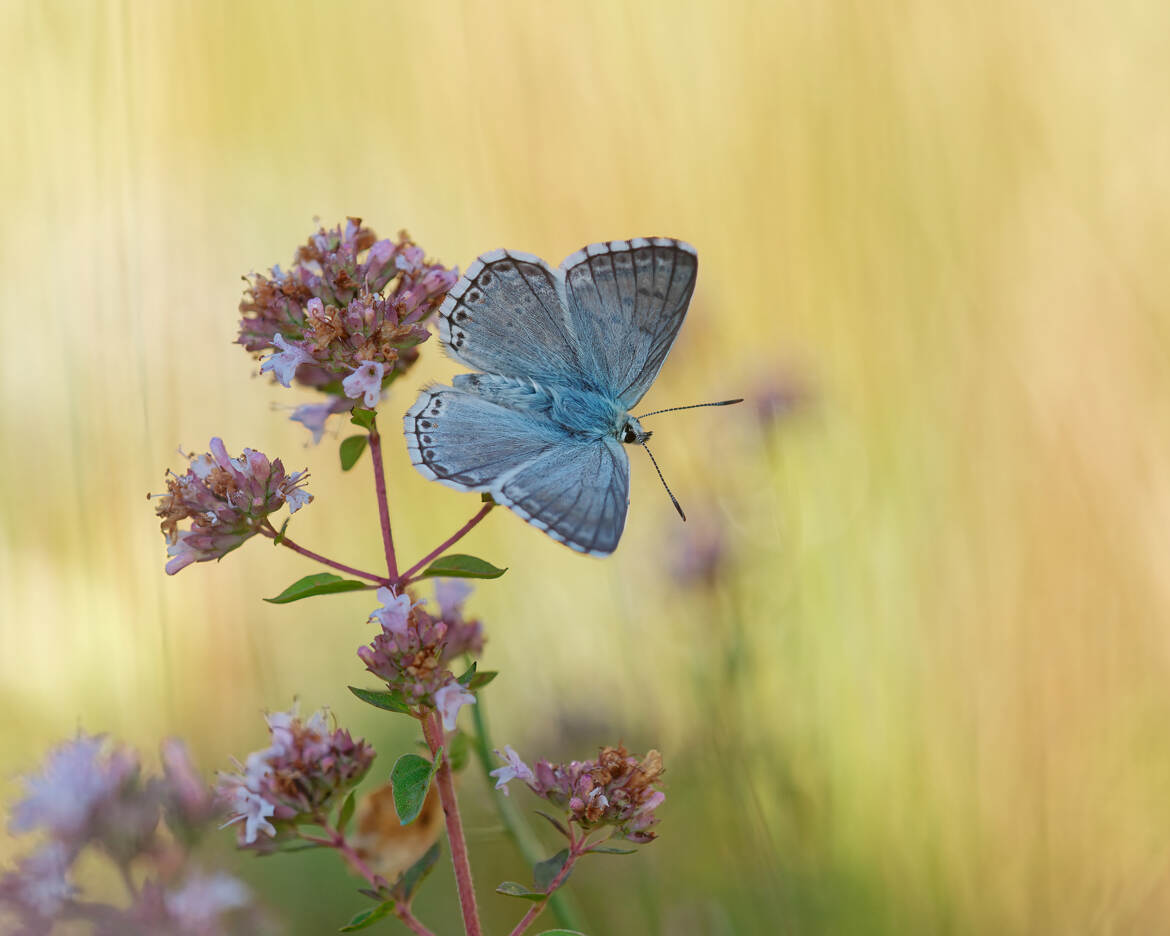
927, 693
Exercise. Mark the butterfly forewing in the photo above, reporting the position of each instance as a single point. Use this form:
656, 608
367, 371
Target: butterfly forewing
627, 301
507, 315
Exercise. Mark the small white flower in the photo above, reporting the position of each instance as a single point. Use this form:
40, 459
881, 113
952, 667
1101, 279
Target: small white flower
254, 809
449, 700
515, 769
285, 363
297, 498
365, 382
395, 613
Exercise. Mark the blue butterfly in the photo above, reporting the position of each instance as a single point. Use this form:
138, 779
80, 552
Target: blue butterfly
563, 355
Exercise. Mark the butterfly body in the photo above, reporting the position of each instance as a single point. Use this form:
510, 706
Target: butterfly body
582, 413
562, 356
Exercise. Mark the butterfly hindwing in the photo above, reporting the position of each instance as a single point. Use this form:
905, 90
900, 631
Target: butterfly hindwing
575, 490
470, 443
506, 315
626, 301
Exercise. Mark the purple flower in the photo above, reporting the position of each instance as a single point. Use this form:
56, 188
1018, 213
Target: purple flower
284, 365
449, 700
450, 594
73, 785
304, 771
313, 416
348, 298
365, 382
395, 613
39, 887
617, 789
514, 769
185, 793
227, 500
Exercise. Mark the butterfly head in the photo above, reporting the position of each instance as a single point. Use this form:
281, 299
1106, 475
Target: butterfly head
632, 432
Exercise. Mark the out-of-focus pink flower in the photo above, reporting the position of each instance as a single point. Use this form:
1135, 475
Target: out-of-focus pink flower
514, 769
313, 416
365, 382
450, 595
203, 899
74, 783
227, 500
39, 887
185, 793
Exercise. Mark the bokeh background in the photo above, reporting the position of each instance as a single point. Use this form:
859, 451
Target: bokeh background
908, 663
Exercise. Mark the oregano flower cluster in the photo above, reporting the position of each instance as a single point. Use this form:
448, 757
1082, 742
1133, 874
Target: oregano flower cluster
344, 321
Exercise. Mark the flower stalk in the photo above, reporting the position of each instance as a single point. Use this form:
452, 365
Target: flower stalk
383, 503
273, 534
408, 575
433, 732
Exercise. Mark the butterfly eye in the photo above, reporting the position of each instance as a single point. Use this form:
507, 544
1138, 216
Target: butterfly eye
628, 435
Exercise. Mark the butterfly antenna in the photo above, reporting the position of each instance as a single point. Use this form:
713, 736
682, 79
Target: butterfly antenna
673, 499
692, 406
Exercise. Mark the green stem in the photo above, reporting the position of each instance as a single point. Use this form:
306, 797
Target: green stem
562, 904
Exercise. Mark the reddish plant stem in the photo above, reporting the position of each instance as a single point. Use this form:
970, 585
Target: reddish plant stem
433, 732
577, 847
271, 533
412, 922
383, 504
337, 841
439, 550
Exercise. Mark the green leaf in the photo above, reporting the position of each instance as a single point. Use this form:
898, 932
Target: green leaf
555, 823
460, 748
351, 450
279, 538
543, 872
368, 917
347, 809
290, 846
561, 932
411, 778
379, 698
479, 680
610, 850
512, 889
413, 876
362, 417
321, 583
468, 675
457, 565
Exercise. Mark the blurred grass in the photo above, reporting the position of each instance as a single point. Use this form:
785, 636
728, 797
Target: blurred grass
929, 695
